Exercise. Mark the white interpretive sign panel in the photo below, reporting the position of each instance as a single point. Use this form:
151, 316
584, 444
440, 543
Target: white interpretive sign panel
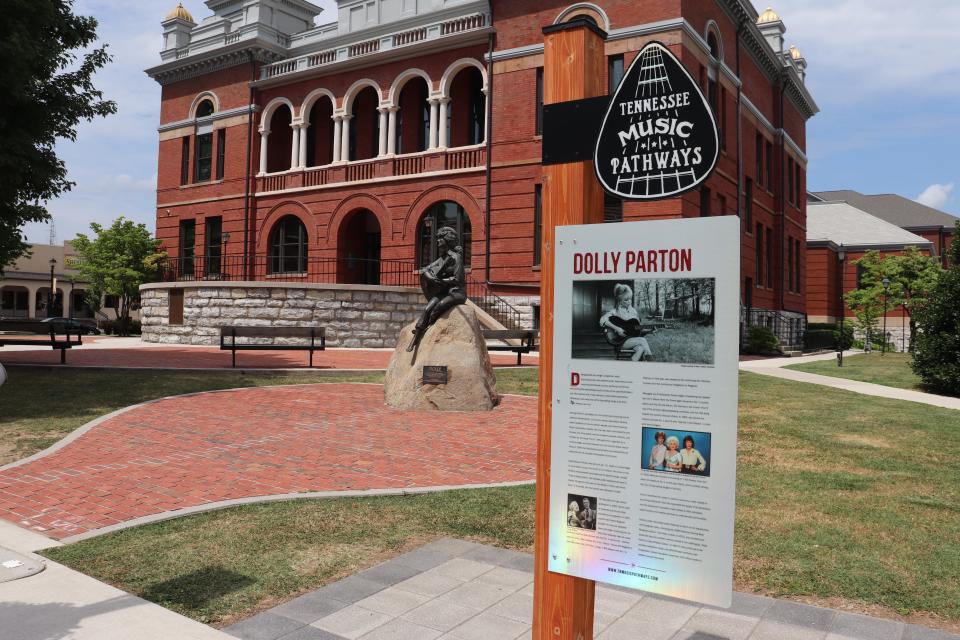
644, 440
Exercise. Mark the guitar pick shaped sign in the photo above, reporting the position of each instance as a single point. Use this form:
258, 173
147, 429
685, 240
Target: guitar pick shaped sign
659, 138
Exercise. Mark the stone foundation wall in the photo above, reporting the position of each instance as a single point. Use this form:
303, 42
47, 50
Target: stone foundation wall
353, 315
525, 305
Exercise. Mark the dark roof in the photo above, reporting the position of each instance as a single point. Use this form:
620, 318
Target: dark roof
903, 212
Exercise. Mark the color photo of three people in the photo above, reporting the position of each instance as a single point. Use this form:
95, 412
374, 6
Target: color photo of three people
675, 451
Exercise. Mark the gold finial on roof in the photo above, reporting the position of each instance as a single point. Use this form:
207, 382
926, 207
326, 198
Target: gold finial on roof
768, 16
179, 13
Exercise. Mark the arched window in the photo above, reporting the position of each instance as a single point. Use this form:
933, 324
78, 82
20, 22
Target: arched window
288, 246
439, 215
203, 148
205, 109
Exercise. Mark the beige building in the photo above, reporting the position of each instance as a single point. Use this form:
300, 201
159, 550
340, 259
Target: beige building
25, 287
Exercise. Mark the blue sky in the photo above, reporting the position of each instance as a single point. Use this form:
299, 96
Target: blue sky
884, 73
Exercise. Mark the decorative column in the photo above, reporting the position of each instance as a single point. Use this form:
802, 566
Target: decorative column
382, 149
442, 124
304, 139
264, 137
434, 109
337, 129
345, 139
295, 147
392, 131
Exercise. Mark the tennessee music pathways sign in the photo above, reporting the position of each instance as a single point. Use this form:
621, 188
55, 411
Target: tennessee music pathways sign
659, 138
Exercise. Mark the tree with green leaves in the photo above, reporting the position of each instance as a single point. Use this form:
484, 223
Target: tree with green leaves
867, 300
936, 350
47, 90
116, 262
915, 275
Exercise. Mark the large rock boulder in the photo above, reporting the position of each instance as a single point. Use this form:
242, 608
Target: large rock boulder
455, 341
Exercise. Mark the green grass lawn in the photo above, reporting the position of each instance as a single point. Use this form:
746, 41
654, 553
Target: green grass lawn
843, 499
38, 406
891, 369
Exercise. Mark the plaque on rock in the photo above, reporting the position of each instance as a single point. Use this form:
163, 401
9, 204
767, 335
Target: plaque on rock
435, 375
659, 138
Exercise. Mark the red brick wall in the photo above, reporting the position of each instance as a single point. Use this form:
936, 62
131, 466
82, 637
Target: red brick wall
515, 156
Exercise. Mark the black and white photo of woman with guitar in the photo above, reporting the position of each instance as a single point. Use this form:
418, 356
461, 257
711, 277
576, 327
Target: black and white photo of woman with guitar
623, 328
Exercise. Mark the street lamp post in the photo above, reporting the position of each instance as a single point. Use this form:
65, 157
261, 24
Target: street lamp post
886, 293
50, 296
842, 255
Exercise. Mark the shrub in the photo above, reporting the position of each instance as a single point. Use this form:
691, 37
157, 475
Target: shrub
822, 335
761, 341
936, 349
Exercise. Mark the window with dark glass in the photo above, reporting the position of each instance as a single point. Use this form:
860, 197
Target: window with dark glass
769, 266
759, 157
769, 159
748, 204
860, 276
188, 246
791, 194
221, 152
213, 241
790, 264
205, 109
185, 161
539, 116
442, 214
537, 223
758, 255
705, 197
204, 157
478, 104
614, 72
798, 185
288, 246
723, 118
721, 205
798, 266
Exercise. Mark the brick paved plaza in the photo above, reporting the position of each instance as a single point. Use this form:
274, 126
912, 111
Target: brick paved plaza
185, 452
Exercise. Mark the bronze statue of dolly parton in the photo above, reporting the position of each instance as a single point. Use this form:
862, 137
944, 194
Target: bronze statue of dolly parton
442, 282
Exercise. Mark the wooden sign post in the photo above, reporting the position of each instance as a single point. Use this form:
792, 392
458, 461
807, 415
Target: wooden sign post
573, 66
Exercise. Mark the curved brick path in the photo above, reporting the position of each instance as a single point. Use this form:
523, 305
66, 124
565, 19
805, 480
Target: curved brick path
195, 450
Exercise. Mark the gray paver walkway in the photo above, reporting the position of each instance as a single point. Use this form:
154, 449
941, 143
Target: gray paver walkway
774, 367
457, 590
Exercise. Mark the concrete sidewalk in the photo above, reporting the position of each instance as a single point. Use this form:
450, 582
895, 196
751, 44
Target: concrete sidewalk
774, 367
62, 604
458, 590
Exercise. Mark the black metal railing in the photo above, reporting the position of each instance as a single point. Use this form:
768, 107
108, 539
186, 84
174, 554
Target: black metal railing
499, 309
320, 270
789, 330
311, 270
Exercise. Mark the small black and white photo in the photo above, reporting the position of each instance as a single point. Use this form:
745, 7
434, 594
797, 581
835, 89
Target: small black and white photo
666, 320
581, 512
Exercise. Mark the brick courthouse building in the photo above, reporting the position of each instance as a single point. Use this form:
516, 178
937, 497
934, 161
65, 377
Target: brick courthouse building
331, 154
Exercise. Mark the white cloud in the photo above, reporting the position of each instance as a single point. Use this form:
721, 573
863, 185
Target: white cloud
936, 195
857, 48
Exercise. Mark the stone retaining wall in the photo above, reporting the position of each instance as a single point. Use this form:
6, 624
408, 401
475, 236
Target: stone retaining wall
353, 315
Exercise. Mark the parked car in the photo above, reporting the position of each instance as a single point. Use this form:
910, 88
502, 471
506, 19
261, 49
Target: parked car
83, 326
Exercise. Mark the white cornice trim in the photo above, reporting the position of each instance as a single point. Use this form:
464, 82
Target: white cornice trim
220, 115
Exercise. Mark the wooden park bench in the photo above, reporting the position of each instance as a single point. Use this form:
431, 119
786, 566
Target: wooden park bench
52, 334
229, 335
521, 341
